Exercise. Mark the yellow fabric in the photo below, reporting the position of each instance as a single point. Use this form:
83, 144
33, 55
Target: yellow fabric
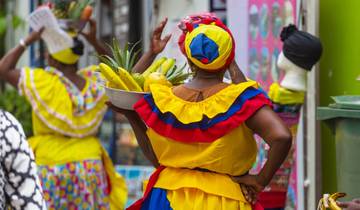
233, 154
66, 56
190, 198
188, 112
221, 37
60, 136
285, 96
221, 185
58, 149
54, 110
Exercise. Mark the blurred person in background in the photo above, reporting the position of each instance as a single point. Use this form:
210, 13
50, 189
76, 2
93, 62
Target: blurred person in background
20, 187
68, 107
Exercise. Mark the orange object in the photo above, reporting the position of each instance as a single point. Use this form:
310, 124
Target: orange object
86, 13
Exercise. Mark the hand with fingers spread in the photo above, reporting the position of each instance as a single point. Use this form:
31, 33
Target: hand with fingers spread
351, 205
158, 44
250, 185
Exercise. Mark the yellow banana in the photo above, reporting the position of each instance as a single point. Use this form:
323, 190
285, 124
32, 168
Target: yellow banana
321, 205
112, 77
139, 79
111, 85
129, 80
154, 66
329, 201
167, 65
337, 195
333, 205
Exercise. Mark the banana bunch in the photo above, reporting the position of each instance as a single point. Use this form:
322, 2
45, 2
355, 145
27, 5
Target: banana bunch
162, 71
328, 202
117, 69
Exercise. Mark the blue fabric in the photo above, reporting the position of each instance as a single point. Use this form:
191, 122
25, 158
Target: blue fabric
202, 47
205, 123
156, 200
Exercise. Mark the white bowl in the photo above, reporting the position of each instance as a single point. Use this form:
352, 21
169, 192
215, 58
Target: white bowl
122, 98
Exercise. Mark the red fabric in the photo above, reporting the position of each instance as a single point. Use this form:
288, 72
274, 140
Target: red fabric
257, 206
272, 199
152, 181
197, 135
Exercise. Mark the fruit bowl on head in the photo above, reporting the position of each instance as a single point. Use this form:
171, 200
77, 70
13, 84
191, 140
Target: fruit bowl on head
71, 24
123, 99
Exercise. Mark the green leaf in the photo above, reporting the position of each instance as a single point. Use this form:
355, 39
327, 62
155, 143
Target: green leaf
123, 57
133, 59
109, 61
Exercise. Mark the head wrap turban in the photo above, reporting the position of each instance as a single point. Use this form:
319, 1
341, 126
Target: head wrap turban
207, 42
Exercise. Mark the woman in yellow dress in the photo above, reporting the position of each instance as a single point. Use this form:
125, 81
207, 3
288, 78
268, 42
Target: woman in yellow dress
68, 107
200, 135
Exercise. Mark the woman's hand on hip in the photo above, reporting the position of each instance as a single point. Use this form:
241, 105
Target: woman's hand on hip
250, 185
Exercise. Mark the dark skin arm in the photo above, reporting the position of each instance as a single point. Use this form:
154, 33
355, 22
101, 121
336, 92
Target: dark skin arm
8, 70
276, 134
90, 36
350, 205
140, 129
236, 74
157, 45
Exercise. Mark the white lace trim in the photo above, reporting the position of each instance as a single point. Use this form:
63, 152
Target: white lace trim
61, 131
58, 115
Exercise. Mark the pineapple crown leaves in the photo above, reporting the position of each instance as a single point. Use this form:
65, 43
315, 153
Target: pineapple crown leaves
178, 75
123, 57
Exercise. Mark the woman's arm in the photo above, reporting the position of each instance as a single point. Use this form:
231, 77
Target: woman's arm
236, 74
140, 132
90, 36
157, 46
8, 71
271, 128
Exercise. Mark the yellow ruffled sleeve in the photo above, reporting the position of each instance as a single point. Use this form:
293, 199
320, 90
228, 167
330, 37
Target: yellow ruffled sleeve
52, 104
284, 96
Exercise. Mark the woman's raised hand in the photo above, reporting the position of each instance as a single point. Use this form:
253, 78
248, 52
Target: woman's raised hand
34, 36
157, 43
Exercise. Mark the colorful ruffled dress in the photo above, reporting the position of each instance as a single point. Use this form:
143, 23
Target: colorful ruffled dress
74, 169
200, 139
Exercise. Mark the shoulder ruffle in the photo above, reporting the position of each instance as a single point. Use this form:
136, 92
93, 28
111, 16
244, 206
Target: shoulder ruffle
53, 106
203, 121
